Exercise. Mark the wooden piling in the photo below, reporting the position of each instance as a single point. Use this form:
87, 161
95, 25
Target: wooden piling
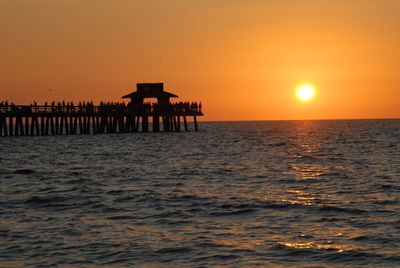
165, 124
27, 125
156, 123
137, 123
42, 125
80, 124
88, 124
11, 125
84, 124
4, 125
145, 123
16, 132
195, 123
1, 125
32, 126
37, 125
52, 125
97, 124
178, 121
171, 123
175, 123
61, 124
66, 124
46, 128
71, 124
185, 123
94, 130
121, 124
56, 120
21, 125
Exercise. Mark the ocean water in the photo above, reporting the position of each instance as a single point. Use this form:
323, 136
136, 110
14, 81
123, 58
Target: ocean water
279, 193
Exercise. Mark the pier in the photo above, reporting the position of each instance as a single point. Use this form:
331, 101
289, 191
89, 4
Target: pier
86, 118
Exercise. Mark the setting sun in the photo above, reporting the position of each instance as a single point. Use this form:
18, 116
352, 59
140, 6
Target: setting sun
305, 92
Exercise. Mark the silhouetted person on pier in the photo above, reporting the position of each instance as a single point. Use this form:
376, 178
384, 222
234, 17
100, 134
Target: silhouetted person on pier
91, 106
12, 107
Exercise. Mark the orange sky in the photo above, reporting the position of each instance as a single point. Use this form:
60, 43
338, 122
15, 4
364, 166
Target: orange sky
242, 58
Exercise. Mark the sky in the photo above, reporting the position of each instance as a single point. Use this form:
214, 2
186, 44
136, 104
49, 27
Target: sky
243, 59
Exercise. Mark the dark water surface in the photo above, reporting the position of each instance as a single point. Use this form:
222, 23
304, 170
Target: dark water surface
316, 193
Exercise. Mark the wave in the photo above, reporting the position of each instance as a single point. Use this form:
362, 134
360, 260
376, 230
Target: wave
24, 171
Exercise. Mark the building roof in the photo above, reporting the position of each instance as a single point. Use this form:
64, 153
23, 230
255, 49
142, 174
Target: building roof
150, 90
163, 94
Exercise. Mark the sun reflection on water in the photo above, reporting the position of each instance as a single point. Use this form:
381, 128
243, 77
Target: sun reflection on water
328, 245
298, 197
307, 171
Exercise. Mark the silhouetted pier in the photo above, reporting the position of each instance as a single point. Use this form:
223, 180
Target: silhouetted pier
85, 118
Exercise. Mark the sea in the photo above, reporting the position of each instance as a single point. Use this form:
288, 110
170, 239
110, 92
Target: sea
233, 194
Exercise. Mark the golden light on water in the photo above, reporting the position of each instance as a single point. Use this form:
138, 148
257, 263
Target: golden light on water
327, 245
305, 92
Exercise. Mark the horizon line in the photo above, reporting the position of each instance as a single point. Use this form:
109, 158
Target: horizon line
329, 119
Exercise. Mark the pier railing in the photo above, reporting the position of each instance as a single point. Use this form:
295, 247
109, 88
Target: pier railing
55, 119
149, 109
